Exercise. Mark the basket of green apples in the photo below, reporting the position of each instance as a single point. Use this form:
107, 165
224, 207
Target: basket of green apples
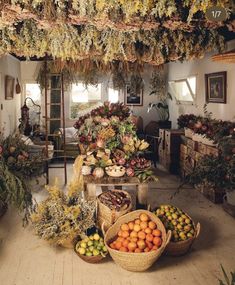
91, 249
184, 230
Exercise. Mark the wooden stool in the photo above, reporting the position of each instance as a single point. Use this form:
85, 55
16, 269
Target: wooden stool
142, 188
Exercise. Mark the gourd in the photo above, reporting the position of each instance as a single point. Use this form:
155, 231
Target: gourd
98, 172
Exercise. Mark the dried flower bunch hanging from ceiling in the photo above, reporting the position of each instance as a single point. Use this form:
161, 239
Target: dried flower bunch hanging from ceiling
143, 31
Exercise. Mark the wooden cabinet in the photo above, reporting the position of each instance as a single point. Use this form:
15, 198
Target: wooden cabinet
169, 149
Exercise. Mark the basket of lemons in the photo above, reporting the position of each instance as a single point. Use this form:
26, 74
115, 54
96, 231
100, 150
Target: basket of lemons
184, 230
91, 249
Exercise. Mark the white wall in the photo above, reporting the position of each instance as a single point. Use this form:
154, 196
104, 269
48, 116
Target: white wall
199, 68
9, 109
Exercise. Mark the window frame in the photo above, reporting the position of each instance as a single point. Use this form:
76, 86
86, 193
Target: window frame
194, 96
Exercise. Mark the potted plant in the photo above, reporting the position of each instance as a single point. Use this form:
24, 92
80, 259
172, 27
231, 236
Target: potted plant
158, 89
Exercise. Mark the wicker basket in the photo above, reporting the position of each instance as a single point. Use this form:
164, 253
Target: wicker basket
107, 216
182, 247
90, 259
135, 261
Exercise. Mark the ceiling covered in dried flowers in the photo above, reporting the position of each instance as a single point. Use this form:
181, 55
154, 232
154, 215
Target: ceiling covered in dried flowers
141, 31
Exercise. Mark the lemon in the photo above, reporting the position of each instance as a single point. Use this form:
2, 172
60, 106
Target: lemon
81, 250
96, 237
90, 243
88, 253
96, 252
83, 244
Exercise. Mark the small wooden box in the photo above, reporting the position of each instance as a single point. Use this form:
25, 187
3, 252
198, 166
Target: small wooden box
214, 195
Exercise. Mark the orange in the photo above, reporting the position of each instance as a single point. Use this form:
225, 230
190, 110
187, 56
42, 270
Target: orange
143, 225
131, 225
125, 227
112, 245
133, 234
137, 228
125, 243
141, 244
120, 239
124, 249
155, 247
120, 233
125, 234
157, 233
149, 237
118, 245
146, 249
132, 246
137, 250
141, 235
157, 241
149, 244
128, 238
152, 225
148, 231
144, 218
137, 221
134, 239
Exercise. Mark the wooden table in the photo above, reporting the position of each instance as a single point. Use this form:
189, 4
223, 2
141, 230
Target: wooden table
142, 188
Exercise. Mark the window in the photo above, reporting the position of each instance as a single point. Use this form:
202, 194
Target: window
83, 99
33, 102
33, 91
184, 90
113, 95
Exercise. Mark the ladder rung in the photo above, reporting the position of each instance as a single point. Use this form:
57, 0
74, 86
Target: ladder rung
59, 150
54, 119
53, 74
56, 167
56, 89
54, 104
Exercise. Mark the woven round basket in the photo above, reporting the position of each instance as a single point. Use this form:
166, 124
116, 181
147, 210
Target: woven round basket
182, 247
135, 261
107, 216
90, 259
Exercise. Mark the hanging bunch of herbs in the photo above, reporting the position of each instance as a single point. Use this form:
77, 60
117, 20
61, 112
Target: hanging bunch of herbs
17, 167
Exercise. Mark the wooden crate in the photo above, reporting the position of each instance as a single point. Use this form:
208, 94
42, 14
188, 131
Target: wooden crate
212, 151
192, 144
202, 148
198, 156
183, 149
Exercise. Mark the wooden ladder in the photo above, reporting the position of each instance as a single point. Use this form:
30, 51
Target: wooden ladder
57, 93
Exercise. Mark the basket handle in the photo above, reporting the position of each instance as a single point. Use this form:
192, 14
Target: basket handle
149, 208
103, 228
168, 237
198, 229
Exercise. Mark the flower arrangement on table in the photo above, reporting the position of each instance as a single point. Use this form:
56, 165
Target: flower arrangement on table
17, 167
62, 217
212, 129
109, 143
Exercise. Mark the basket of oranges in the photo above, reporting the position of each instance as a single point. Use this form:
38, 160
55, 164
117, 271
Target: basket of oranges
137, 240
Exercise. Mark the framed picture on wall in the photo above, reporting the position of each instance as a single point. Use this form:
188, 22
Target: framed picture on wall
216, 87
133, 99
9, 87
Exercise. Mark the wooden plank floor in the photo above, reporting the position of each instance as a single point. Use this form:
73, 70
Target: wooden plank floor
27, 260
